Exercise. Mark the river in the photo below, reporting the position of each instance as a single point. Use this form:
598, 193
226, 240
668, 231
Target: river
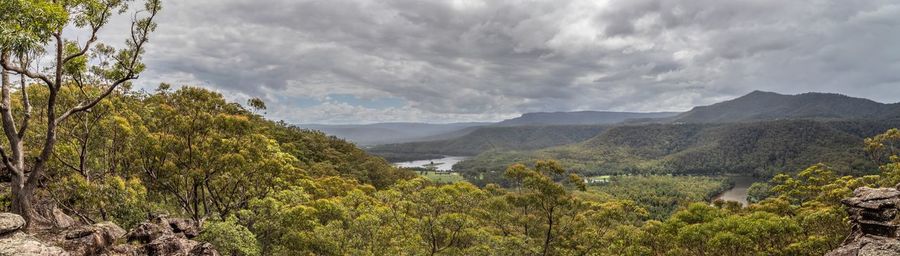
739, 192
443, 164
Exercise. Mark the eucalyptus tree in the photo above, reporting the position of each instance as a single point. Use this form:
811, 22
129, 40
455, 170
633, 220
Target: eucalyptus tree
31, 27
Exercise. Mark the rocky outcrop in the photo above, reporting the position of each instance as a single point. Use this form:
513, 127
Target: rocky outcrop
158, 236
10, 222
874, 214
13, 241
91, 239
165, 236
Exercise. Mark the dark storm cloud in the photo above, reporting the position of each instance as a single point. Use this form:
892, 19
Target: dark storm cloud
458, 60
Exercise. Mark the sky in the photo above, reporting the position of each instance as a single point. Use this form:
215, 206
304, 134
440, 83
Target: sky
365, 61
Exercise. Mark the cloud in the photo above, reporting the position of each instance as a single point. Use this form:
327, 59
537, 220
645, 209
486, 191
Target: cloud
465, 60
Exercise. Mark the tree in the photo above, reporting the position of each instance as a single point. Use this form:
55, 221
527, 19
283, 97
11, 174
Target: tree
541, 192
35, 26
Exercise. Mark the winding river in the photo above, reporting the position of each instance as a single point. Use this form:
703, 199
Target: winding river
443, 164
739, 192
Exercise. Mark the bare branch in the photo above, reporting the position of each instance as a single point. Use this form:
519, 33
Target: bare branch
139, 37
20, 70
95, 27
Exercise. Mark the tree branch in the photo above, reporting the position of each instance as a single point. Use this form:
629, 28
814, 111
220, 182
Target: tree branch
20, 70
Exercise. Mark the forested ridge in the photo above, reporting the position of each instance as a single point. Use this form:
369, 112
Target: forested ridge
483, 139
763, 106
760, 149
291, 191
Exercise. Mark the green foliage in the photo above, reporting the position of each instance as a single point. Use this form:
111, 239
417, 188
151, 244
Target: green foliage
661, 195
266, 188
759, 148
230, 238
493, 138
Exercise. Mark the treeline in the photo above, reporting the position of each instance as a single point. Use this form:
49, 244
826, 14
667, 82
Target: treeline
187, 152
266, 188
758, 148
491, 138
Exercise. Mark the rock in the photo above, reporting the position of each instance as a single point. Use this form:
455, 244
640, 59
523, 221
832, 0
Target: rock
147, 232
159, 236
93, 239
186, 227
170, 245
62, 220
874, 214
868, 245
18, 243
10, 222
204, 249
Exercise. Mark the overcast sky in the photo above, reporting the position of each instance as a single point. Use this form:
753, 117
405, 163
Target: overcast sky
354, 61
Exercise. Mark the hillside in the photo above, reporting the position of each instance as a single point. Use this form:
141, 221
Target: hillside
580, 118
492, 138
759, 105
383, 133
758, 148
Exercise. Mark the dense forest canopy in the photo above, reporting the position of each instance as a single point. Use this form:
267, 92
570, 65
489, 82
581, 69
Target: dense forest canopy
291, 191
754, 149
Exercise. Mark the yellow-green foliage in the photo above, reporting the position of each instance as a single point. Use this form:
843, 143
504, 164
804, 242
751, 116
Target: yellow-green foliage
266, 188
230, 238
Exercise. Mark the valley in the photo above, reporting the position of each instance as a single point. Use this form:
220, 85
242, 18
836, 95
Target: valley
449, 128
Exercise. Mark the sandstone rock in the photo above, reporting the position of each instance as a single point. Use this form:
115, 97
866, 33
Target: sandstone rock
874, 214
170, 245
18, 243
868, 245
62, 220
10, 222
204, 249
187, 227
93, 239
147, 232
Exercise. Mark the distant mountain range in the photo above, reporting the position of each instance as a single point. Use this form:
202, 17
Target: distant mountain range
474, 138
581, 118
760, 148
392, 133
759, 106
487, 138
383, 133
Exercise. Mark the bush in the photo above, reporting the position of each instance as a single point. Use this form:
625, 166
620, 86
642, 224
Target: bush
230, 238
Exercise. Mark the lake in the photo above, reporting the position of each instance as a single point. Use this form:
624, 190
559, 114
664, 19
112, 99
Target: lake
443, 164
740, 190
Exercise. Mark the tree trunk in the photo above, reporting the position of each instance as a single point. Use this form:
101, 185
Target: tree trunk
21, 200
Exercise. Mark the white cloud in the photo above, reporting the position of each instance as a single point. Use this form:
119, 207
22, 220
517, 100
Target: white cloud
459, 60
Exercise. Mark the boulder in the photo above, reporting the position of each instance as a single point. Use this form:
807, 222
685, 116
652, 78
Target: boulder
874, 216
20, 244
204, 249
10, 222
170, 245
148, 231
186, 227
62, 220
93, 239
15, 242
868, 245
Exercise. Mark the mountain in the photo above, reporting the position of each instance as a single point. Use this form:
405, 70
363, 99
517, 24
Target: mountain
383, 133
580, 118
488, 138
752, 148
392, 133
759, 105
